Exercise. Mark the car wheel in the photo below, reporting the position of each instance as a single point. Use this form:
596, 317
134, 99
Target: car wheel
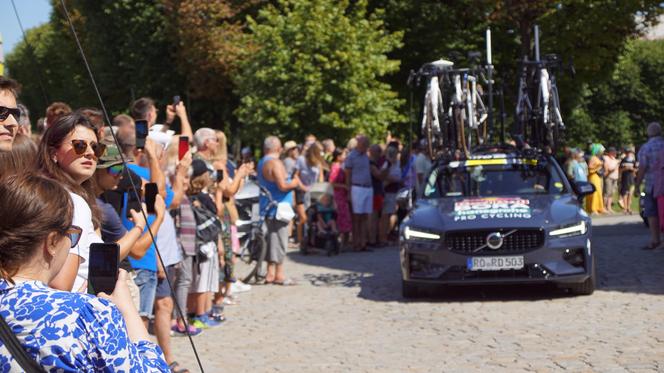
409, 290
587, 287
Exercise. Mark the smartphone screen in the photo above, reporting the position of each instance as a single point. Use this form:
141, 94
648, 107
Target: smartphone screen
183, 146
151, 191
176, 101
103, 267
220, 175
141, 133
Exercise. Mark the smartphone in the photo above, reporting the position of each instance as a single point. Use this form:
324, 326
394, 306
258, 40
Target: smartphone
151, 191
220, 175
183, 146
141, 133
176, 101
103, 267
132, 202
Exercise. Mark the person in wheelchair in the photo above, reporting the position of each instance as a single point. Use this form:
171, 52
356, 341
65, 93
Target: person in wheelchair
324, 228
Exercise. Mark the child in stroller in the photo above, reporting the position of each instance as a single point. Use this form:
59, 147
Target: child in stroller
321, 231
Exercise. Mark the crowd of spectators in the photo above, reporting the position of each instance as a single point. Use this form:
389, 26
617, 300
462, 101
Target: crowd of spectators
70, 184
611, 172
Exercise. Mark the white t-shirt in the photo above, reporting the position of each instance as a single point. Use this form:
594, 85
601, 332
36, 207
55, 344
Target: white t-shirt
422, 166
83, 220
167, 242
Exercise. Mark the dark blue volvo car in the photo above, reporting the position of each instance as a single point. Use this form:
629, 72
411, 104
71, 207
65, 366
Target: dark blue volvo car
498, 217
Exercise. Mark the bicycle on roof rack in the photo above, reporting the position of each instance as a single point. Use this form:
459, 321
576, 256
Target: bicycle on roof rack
539, 120
454, 115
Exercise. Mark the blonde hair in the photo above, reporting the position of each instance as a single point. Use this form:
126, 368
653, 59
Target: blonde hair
222, 150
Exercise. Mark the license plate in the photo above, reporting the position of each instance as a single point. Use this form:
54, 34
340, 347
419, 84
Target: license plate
495, 263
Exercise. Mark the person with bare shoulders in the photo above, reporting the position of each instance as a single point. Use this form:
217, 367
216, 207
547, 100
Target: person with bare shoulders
272, 176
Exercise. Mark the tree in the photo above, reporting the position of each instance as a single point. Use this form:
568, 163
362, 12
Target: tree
317, 69
621, 107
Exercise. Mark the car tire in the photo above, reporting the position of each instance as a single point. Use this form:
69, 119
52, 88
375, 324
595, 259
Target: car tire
587, 287
409, 290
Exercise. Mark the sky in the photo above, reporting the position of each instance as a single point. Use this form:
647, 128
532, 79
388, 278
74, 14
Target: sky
31, 12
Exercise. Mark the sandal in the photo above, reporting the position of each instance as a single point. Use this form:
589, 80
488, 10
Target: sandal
174, 367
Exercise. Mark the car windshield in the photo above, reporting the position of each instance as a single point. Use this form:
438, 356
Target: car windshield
486, 180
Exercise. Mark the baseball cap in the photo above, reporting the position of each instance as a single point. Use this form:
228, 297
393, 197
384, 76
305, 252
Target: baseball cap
110, 158
198, 168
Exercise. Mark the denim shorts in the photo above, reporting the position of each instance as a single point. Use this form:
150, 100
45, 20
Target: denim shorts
146, 281
649, 206
163, 290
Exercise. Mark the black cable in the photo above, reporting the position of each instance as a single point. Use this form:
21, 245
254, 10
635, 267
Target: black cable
133, 186
34, 58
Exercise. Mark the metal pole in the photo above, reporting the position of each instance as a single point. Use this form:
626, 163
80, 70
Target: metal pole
537, 46
490, 78
502, 113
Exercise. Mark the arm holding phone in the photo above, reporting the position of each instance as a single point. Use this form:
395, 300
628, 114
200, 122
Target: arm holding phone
156, 174
178, 108
178, 180
141, 246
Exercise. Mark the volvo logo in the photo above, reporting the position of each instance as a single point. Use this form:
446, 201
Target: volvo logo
495, 240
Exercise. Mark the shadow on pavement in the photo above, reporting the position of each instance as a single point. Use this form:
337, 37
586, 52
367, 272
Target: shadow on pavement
621, 266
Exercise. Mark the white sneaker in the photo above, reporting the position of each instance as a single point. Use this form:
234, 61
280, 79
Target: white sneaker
240, 287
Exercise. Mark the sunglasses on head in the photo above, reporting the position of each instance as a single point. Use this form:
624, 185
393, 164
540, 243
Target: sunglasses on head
74, 234
6, 111
80, 146
116, 170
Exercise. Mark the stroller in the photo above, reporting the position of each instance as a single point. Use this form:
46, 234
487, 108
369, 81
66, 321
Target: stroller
314, 238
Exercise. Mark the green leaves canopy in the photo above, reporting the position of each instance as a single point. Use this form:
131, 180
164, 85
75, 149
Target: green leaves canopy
318, 70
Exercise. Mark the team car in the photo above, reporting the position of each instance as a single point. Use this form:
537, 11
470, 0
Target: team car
500, 216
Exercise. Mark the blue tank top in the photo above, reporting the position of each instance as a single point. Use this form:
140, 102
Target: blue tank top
272, 187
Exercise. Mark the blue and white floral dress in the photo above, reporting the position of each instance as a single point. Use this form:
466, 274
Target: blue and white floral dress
72, 332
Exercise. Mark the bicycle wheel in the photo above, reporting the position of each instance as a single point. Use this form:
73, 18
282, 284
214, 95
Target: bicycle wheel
249, 267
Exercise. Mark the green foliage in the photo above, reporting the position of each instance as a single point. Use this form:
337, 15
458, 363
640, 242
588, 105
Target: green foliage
622, 106
318, 70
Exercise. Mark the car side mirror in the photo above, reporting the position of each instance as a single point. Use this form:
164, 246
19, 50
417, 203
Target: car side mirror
405, 198
583, 188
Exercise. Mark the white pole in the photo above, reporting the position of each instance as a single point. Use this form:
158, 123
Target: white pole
537, 49
488, 46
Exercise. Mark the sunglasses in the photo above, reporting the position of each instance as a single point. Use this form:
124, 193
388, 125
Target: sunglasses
80, 146
6, 111
74, 234
116, 170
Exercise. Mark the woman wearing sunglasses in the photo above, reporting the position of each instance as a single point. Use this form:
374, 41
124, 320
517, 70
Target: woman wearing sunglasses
68, 153
61, 331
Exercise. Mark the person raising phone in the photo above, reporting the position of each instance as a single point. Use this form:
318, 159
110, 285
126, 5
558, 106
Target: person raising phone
60, 330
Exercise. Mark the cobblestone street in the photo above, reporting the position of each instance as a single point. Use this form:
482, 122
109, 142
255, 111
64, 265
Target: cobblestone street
347, 315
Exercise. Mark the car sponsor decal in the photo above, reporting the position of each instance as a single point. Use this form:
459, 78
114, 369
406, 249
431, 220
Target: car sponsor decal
492, 208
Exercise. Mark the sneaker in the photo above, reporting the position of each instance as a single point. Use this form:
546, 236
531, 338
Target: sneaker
177, 332
240, 287
204, 322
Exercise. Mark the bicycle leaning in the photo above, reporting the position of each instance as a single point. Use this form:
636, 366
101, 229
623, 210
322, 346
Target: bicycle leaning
251, 233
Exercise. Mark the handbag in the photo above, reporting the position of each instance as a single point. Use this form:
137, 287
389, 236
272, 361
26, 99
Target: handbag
285, 212
14, 346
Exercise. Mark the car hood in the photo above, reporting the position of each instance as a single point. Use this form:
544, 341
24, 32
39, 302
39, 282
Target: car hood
537, 211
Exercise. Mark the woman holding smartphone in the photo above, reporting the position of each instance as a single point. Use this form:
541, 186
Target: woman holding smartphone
68, 153
60, 330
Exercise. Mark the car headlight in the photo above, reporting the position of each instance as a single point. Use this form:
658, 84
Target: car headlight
572, 230
409, 233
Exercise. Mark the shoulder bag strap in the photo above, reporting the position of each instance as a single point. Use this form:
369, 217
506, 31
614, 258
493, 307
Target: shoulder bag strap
14, 346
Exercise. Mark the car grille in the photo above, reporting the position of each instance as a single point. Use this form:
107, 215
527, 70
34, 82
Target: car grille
521, 241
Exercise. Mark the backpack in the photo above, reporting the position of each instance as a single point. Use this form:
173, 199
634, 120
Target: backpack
208, 229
